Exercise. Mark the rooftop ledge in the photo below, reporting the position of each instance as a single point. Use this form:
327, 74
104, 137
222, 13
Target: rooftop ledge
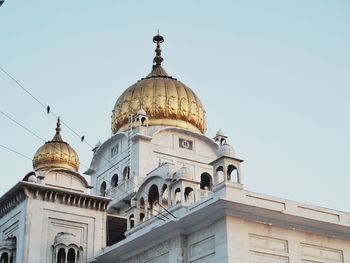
229, 199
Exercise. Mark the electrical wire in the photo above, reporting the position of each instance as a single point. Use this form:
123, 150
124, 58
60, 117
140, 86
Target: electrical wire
38, 137
21, 86
35, 135
16, 152
21, 125
49, 111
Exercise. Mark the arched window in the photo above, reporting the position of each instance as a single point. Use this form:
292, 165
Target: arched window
206, 181
126, 173
165, 195
114, 180
61, 256
232, 170
132, 220
189, 197
220, 169
71, 256
153, 196
143, 120
177, 196
142, 217
142, 209
13, 254
8, 250
103, 188
64, 253
219, 174
142, 204
4, 258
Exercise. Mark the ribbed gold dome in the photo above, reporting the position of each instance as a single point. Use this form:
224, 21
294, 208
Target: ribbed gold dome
167, 101
56, 154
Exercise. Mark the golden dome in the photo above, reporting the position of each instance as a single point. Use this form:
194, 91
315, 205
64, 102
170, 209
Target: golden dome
56, 154
167, 101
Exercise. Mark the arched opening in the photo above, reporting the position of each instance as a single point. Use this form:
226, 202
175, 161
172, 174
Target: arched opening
220, 169
126, 172
219, 174
103, 188
143, 121
13, 253
165, 195
61, 256
114, 180
189, 195
206, 181
4, 258
71, 256
153, 197
222, 141
142, 209
132, 220
177, 196
232, 173
142, 217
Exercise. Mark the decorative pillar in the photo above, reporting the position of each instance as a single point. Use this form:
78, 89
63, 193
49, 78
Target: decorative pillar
146, 210
239, 178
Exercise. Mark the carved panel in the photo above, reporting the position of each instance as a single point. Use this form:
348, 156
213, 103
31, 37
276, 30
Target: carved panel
257, 257
201, 249
268, 243
156, 254
266, 203
324, 254
160, 259
318, 214
10, 230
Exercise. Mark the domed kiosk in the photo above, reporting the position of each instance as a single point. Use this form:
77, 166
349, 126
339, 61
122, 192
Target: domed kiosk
56, 164
56, 154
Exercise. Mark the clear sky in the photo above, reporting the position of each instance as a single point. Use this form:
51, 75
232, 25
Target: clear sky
274, 75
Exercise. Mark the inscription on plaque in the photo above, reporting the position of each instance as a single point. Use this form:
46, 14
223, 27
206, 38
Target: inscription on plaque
185, 144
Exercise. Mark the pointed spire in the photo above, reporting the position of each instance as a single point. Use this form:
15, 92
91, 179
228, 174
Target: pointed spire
58, 137
157, 69
58, 125
158, 58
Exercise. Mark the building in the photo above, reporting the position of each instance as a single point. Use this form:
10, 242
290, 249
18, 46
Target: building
49, 215
161, 191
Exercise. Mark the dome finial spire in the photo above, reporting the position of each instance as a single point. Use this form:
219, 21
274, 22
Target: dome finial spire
58, 125
158, 58
56, 154
57, 137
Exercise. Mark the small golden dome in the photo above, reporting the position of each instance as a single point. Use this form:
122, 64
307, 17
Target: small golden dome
167, 101
56, 154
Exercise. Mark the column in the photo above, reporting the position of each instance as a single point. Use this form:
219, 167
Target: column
239, 179
146, 210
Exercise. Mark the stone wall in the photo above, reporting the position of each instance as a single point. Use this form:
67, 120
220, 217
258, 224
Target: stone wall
264, 243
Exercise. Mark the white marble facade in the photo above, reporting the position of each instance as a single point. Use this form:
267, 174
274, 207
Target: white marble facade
161, 191
51, 222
